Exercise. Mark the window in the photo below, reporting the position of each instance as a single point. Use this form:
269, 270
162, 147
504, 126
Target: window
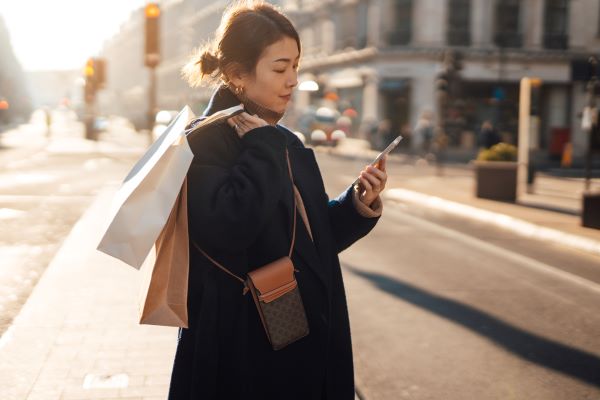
338, 25
507, 32
402, 27
349, 29
459, 23
556, 18
598, 27
362, 11
345, 25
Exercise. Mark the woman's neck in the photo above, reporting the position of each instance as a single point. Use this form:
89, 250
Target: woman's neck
270, 116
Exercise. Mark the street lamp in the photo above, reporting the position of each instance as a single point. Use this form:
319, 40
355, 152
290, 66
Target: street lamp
152, 57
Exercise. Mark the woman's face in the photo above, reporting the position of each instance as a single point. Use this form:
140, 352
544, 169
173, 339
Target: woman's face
275, 77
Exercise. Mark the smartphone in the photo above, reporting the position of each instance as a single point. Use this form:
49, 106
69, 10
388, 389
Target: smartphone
385, 152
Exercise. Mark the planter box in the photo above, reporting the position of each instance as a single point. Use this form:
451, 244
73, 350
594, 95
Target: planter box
590, 213
496, 180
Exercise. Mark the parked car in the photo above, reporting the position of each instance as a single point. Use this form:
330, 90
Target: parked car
322, 124
100, 124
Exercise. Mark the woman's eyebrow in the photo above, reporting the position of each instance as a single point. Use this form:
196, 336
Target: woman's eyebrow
285, 59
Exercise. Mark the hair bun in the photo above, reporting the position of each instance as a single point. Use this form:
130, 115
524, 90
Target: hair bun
208, 63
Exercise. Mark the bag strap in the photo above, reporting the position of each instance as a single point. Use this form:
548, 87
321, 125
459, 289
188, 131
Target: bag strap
293, 234
295, 203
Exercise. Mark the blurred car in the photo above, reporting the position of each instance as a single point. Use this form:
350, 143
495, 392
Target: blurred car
100, 124
161, 122
322, 123
324, 127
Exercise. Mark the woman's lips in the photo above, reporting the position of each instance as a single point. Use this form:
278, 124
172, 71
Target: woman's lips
286, 98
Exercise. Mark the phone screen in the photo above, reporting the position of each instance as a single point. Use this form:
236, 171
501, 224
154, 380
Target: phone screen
386, 151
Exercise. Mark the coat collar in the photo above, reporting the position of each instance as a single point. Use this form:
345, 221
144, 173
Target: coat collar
221, 99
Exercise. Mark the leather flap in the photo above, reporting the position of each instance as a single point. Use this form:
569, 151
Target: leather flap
274, 279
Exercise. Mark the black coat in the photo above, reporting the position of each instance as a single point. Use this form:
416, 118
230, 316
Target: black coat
240, 205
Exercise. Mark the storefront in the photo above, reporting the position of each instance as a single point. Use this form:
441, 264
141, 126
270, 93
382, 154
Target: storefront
395, 94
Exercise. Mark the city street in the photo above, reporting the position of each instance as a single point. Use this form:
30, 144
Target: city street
45, 186
481, 280
441, 307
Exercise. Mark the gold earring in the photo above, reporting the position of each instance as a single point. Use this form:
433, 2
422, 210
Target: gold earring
239, 90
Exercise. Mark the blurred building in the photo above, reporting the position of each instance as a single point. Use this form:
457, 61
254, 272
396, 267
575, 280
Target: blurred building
384, 56
381, 57
15, 98
185, 24
54, 88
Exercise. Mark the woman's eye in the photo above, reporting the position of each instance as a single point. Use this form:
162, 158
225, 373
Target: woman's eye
280, 72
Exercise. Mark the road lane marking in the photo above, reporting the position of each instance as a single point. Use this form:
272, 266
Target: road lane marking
10, 213
516, 225
504, 253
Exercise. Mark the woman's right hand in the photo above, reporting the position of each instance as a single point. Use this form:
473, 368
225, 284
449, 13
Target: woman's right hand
244, 122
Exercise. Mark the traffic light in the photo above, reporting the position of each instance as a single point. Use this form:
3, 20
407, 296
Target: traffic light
4, 106
89, 89
152, 35
595, 139
88, 71
95, 77
441, 82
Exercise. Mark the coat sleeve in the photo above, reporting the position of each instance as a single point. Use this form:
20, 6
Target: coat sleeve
230, 201
351, 221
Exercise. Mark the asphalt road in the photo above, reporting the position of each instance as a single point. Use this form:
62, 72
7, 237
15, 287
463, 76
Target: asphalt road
444, 308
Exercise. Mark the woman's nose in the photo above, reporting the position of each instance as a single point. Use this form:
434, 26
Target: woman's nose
293, 82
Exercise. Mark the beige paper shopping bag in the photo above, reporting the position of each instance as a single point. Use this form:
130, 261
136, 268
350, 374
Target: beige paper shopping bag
145, 199
164, 288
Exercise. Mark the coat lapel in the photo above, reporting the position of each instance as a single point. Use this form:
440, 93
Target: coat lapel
307, 179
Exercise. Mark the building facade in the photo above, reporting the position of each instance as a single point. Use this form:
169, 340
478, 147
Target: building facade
383, 56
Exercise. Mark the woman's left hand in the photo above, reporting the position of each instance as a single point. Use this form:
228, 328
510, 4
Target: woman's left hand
372, 182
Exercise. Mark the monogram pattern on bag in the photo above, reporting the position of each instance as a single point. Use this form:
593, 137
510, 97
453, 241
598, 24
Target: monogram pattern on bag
285, 319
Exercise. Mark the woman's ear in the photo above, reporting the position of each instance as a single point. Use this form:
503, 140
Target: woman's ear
235, 75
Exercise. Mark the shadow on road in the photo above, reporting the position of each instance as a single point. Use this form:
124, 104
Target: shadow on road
531, 347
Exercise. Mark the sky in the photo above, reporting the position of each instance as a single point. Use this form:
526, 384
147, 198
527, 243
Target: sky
62, 34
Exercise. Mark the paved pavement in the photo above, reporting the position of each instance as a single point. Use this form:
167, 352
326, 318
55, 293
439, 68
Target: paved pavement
77, 336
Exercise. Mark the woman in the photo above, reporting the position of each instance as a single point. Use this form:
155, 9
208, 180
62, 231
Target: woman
240, 208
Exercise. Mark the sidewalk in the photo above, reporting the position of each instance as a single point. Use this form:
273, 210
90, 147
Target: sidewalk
77, 336
551, 213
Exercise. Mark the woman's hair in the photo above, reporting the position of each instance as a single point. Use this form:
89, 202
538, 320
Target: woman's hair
247, 29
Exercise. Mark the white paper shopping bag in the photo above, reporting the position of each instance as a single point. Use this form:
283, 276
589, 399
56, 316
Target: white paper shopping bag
145, 199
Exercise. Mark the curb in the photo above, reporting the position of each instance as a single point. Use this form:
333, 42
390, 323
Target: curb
515, 225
